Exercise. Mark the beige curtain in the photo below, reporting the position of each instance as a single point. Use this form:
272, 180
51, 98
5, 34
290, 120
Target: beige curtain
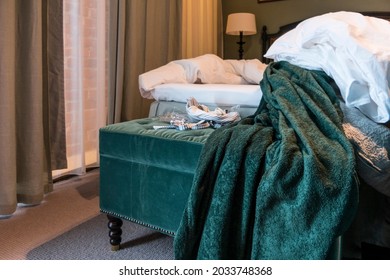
202, 31
31, 100
144, 34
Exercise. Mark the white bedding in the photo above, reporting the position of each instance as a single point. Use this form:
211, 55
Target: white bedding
353, 49
214, 94
205, 69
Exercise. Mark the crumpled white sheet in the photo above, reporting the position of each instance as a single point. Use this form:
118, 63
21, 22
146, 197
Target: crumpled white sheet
205, 69
353, 49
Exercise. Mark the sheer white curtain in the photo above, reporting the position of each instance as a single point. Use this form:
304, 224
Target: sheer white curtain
201, 27
85, 82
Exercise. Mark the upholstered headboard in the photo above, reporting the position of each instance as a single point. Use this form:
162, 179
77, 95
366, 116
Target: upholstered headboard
268, 39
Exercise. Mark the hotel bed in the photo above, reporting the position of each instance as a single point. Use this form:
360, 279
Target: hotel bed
233, 85
370, 138
209, 79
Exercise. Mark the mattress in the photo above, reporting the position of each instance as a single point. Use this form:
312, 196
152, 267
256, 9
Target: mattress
210, 94
369, 139
163, 108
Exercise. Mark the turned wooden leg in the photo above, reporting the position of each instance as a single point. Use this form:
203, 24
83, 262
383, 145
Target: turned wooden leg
115, 233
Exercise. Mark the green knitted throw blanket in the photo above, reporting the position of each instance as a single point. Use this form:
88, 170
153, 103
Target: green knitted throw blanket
280, 184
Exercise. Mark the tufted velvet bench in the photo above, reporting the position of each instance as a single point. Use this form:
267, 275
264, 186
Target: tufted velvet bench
146, 175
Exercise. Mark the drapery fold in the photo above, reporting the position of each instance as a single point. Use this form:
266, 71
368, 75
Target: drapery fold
30, 85
202, 30
144, 34
53, 67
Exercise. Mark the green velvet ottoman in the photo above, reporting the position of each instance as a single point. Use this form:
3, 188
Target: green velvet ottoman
146, 174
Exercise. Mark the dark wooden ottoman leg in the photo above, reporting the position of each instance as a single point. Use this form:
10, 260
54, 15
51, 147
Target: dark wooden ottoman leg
115, 233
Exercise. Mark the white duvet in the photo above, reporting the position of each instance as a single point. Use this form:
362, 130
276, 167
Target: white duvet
205, 69
353, 49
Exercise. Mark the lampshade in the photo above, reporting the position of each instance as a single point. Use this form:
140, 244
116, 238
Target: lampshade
244, 22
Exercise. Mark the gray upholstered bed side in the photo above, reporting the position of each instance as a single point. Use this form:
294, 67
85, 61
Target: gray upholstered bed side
160, 108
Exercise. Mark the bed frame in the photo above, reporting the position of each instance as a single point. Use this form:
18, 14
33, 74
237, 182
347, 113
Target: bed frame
267, 39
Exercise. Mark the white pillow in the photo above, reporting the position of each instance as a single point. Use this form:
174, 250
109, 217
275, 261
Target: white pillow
351, 48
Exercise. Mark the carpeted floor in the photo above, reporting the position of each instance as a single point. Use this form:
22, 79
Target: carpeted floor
90, 241
68, 225
71, 203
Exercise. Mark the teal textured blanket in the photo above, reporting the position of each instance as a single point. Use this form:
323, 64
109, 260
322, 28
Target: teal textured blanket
280, 184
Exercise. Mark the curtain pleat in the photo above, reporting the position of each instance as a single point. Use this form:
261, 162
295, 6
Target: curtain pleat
53, 63
116, 50
145, 35
7, 108
202, 28
25, 173
29, 103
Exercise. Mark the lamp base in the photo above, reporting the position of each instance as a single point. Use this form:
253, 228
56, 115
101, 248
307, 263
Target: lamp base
241, 49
